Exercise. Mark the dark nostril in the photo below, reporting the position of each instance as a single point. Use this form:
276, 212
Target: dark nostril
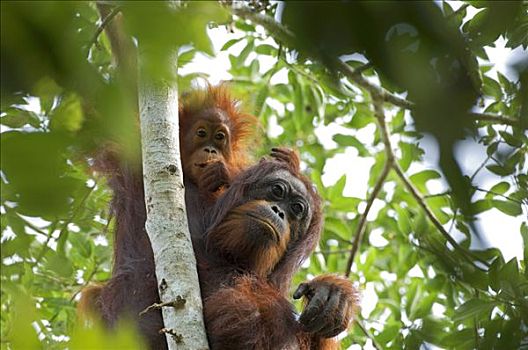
277, 211
209, 150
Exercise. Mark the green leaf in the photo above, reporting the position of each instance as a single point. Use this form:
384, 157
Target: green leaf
494, 273
82, 244
423, 307
361, 118
346, 204
17, 118
524, 234
338, 227
480, 206
420, 179
68, 116
59, 264
337, 190
47, 90
22, 155
22, 335
414, 293
246, 27
406, 158
500, 188
510, 139
510, 271
492, 148
508, 207
389, 332
472, 308
462, 339
186, 57
500, 170
491, 88
229, 43
404, 223
352, 141
241, 58
266, 49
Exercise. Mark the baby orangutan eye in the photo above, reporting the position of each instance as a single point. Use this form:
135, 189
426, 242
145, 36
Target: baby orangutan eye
220, 136
201, 132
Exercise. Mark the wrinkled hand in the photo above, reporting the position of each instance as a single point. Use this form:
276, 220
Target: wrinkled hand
286, 155
331, 303
214, 176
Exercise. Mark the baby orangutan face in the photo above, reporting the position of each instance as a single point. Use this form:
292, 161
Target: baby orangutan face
207, 141
256, 233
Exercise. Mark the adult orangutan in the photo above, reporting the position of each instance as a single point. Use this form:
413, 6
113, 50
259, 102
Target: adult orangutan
213, 143
264, 225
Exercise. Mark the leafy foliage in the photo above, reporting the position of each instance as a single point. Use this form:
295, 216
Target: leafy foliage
421, 286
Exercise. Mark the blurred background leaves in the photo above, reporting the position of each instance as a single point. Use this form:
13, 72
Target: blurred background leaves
341, 82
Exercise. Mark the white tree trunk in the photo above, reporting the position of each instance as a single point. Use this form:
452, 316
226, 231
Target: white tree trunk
166, 216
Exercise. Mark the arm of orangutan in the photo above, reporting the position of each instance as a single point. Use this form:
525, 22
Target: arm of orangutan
331, 304
214, 176
250, 315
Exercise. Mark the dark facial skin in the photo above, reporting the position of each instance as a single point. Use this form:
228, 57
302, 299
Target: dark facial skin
258, 232
207, 141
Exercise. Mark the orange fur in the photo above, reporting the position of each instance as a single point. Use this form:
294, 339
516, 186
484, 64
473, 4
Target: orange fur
88, 308
242, 126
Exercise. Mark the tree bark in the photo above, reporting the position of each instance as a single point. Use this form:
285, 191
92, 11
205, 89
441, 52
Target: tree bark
166, 224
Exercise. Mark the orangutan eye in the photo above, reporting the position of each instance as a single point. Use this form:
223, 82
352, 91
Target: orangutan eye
201, 132
278, 190
297, 208
220, 136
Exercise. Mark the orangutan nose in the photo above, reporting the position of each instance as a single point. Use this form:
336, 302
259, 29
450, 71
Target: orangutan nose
278, 211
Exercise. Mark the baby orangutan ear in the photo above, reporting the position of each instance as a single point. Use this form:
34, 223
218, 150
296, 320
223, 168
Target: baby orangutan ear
331, 303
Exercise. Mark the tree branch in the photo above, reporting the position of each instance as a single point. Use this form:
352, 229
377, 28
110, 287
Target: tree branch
166, 223
283, 34
421, 201
497, 119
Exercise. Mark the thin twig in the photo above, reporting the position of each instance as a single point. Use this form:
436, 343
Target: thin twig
369, 335
380, 116
446, 193
177, 304
374, 90
497, 119
330, 252
360, 230
33, 227
498, 194
433, 195
64, 231
103, 24
44, 248
79, 290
